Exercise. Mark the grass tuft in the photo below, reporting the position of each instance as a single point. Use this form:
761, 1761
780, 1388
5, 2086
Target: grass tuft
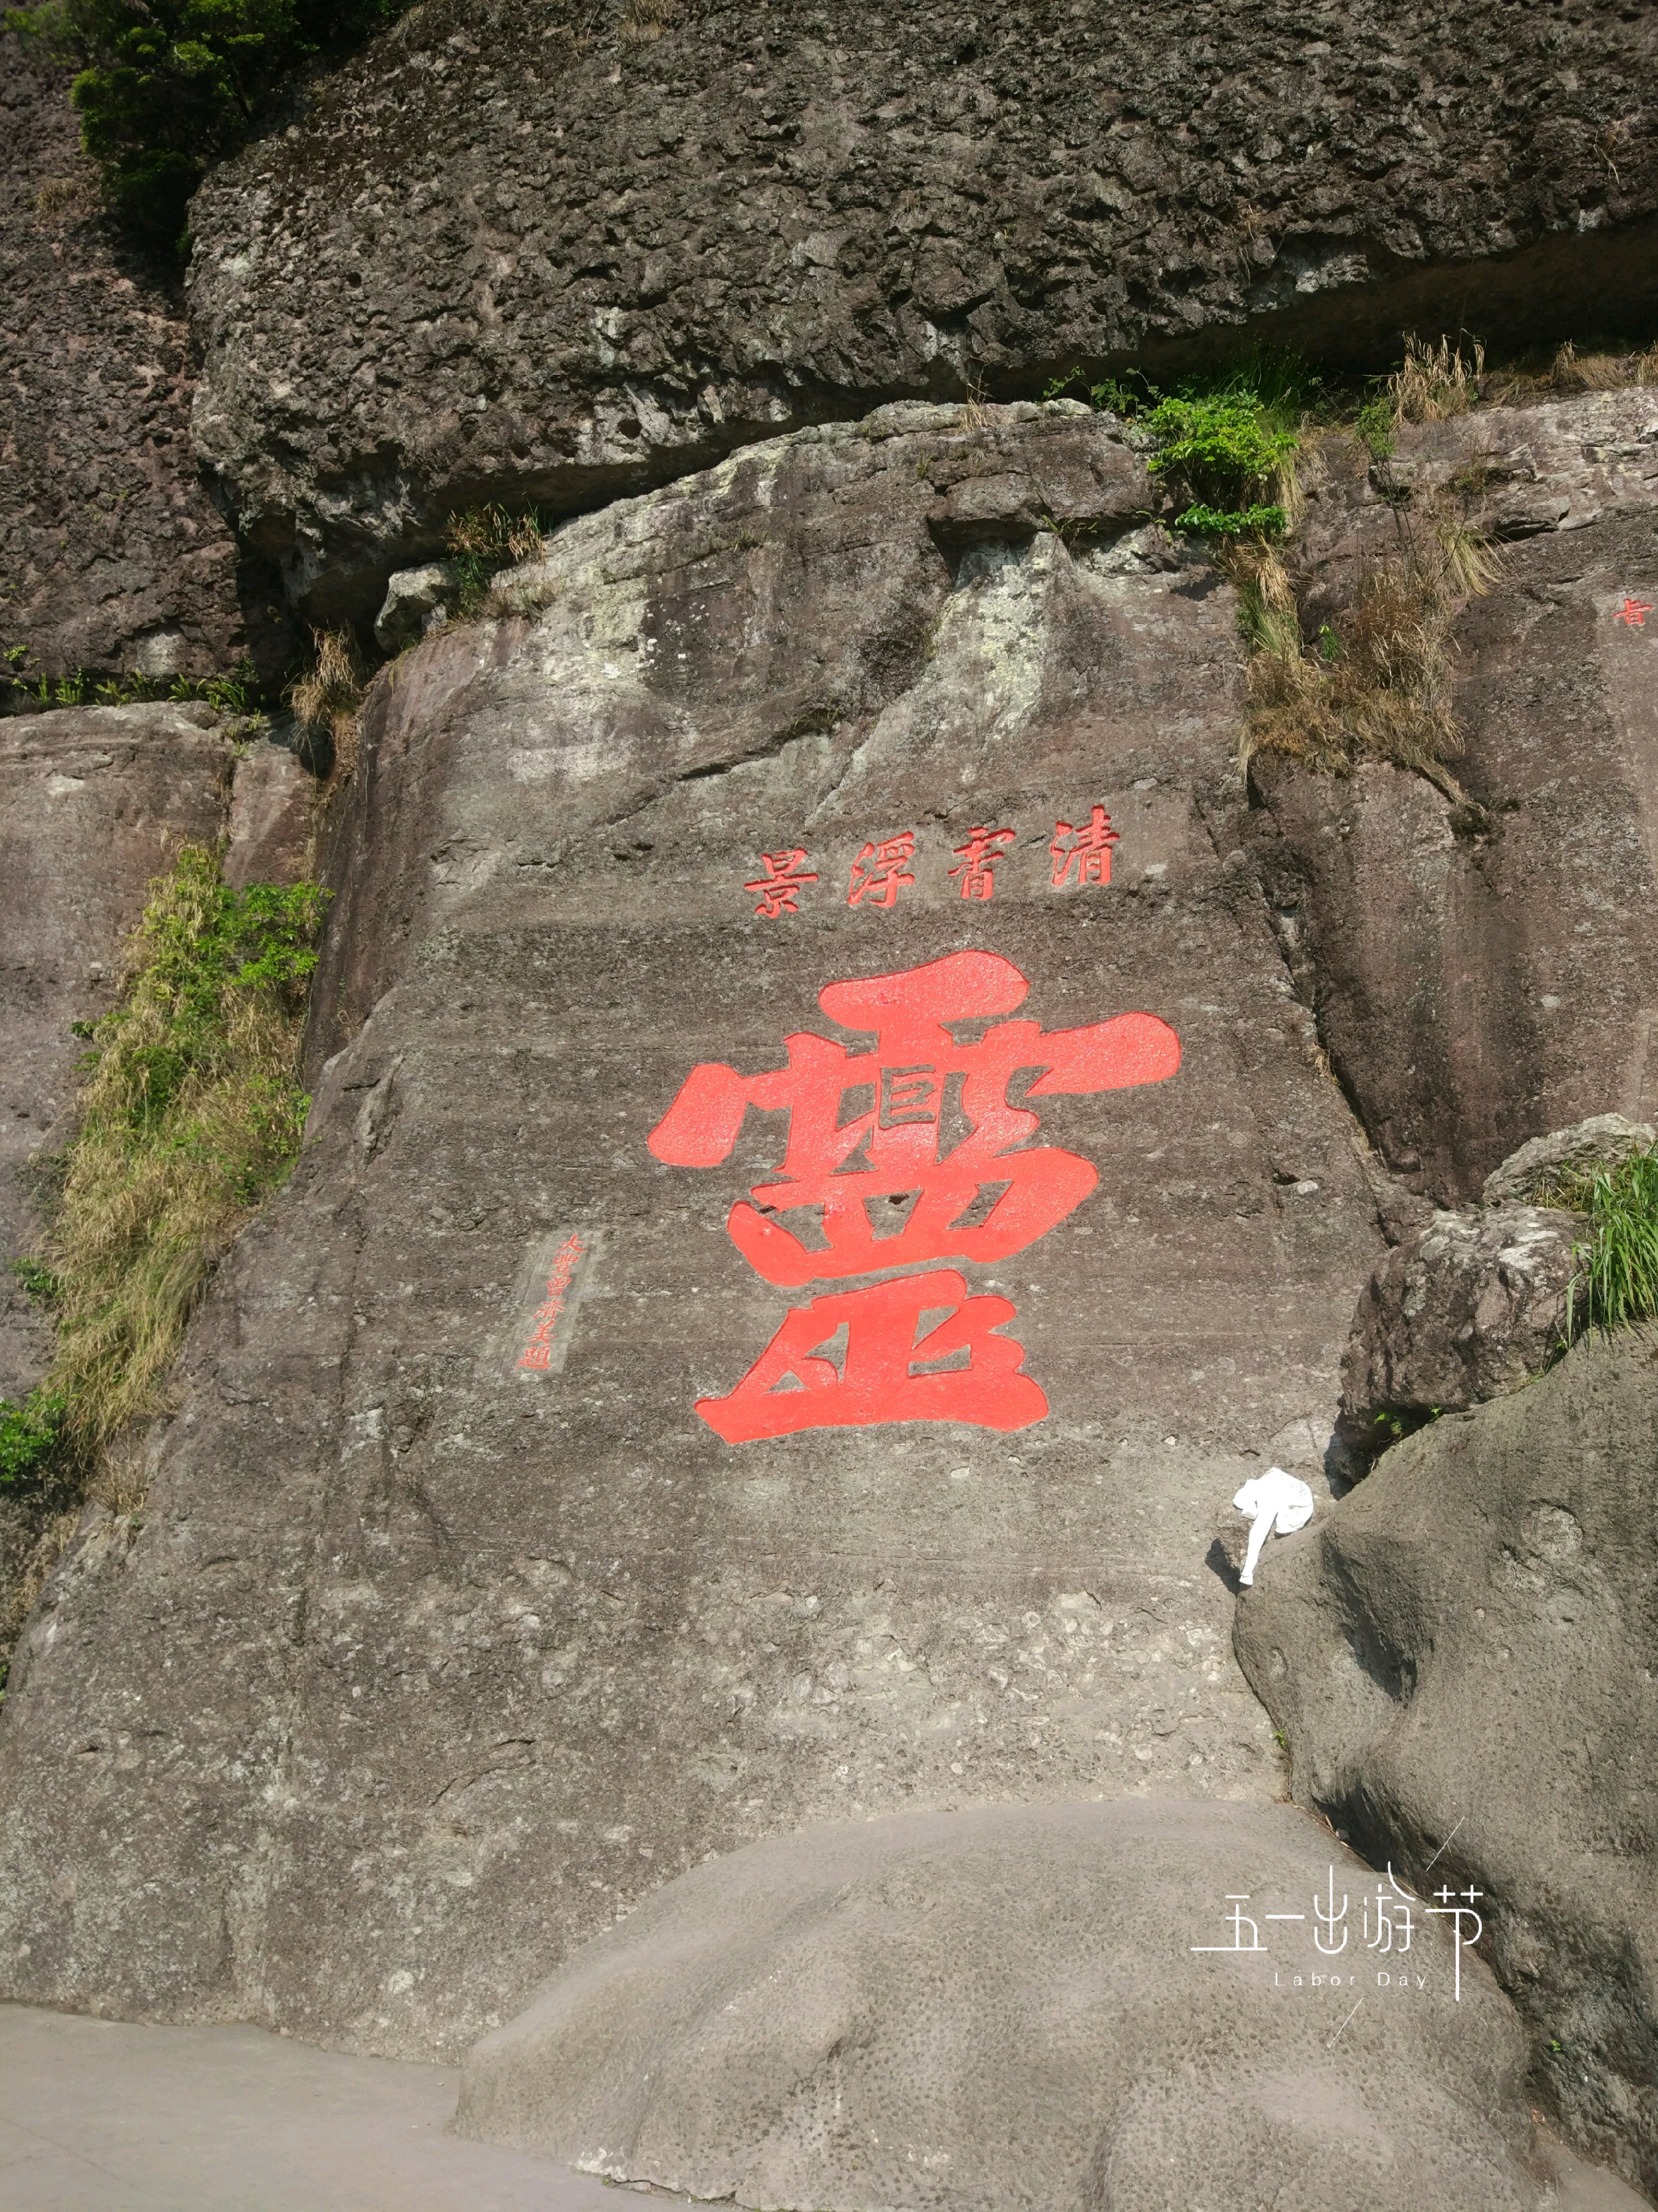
483, 540
1380, 687
191, 1116
1617, 1282
328, 698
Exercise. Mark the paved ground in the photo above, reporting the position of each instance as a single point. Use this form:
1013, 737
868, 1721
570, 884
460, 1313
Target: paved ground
99, 2116
95, 2116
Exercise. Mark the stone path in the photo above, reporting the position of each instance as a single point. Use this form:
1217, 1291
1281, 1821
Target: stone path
99, 2116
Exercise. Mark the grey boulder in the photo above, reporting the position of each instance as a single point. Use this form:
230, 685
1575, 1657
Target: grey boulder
1005, 2009
416, 600
1464, 1659
1603, 1139
1470, 1306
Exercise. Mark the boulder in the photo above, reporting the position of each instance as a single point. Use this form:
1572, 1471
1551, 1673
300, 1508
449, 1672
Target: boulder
1600, 1140
474, 1614
416, 600
1470, 1306
1479, 976
549, 257
974, 2011
1463, 1658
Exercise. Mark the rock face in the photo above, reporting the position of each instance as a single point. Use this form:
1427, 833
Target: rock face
981, 2010
1600, 1140
1476, 986
112, 556
1470, 1306
1463, 1657
602, 256
477, 1627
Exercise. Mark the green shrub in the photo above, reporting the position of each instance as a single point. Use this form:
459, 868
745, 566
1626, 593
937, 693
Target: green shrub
1223, 449
165, 87
1617, 1263
29, 1435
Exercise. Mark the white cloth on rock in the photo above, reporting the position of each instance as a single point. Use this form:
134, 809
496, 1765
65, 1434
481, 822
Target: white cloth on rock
1273, 1500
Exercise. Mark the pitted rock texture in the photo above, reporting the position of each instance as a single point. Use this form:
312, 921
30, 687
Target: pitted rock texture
112, 557
1464, 1656
455, 1659
978, 2011
526, 252
1600, 1141
1476, 986
1470, 1306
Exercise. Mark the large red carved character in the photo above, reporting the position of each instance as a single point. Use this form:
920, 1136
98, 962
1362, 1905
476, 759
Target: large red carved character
932, 1162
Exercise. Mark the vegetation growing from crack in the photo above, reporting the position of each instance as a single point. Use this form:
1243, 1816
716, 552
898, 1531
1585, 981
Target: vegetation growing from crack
481, 541
238, 691
1617, 1278
166, 88
1225, 448
190, 1114
327, 700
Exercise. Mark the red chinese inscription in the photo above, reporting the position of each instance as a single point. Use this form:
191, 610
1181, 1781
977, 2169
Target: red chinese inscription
1633, 614
978, 857
1087, 849
911, 1153
878, 873
780, 887
538, 1352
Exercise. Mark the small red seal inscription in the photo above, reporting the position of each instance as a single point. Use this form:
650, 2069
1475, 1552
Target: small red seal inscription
1088, 850
1633, 613
780, 887
538, 1352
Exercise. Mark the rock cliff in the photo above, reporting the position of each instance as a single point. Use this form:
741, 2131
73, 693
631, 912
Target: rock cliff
526, 253
112, 557
465, 1651
852, 1111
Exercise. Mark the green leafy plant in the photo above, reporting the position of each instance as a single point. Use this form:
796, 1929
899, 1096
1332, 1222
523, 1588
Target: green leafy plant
164, 87
37, 1279
29, 1431
190, 1114
1224, 450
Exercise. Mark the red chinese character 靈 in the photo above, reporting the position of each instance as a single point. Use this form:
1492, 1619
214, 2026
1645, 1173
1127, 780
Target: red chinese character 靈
910, 1153
878, 871
1633, 614
978, 857
1090, 849
781, 886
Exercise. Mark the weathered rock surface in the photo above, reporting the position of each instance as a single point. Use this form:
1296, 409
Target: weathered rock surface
986, 2010
512, 253
1470, 1306
1475, 989
416, 600
1464, 1656
1603, 1139
454, 1658
112, 557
